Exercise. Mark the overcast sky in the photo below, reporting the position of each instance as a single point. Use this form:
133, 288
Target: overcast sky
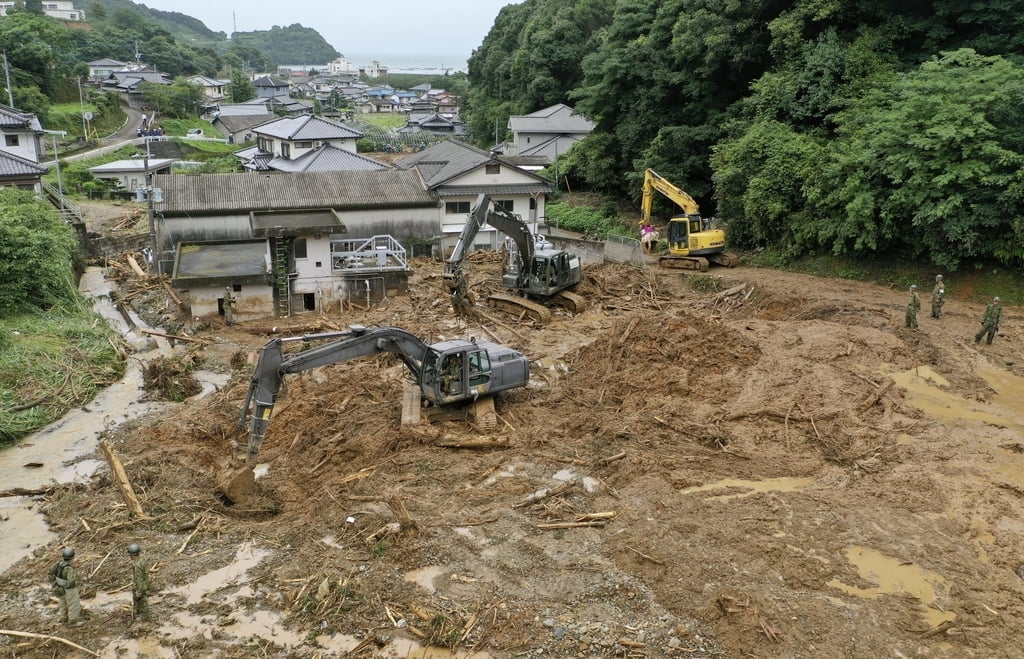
402, 27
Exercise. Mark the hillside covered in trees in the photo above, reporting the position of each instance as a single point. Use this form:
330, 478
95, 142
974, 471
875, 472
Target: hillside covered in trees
866, 128
291, 44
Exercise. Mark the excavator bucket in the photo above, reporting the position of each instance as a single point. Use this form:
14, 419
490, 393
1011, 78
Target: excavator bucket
238, 485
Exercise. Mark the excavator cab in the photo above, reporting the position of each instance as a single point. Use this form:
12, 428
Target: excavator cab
462, 371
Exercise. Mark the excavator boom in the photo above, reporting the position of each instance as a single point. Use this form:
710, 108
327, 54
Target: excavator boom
692, 243
536, 270
485, 367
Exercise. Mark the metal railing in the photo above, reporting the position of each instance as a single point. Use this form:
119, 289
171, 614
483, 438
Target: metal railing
70, 212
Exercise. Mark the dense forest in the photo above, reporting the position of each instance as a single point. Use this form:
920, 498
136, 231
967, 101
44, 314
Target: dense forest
869, 128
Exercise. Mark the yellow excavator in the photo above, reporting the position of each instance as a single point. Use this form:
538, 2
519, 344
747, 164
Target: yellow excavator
692, 243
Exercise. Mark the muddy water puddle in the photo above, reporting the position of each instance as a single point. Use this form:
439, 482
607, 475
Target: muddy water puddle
996, 422
892, 576
230, 588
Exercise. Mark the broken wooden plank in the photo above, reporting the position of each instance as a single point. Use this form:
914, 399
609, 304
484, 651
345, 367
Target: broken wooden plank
875, 396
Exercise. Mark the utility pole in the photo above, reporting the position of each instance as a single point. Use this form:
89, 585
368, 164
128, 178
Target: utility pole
154, 267
81, 102
7, 74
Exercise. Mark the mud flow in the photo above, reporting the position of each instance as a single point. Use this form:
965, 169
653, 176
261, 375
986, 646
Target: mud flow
739, 463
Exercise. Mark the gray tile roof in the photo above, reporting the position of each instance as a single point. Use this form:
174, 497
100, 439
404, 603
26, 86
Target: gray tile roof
239, 193
11, 165
11, 118
243, 109
327, 158
238, 123
558, 118
445, 160
307, 127
450, 159
499, 189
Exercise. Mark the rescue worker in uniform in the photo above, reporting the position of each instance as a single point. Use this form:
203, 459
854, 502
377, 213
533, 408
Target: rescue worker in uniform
990, 322
913, 306
64, 582
938, 297
451, 374
229, 307
140, 583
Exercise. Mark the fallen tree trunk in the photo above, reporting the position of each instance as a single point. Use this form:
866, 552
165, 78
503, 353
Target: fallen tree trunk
121, 478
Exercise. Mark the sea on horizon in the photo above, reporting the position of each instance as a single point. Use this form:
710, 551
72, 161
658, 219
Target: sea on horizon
430, 64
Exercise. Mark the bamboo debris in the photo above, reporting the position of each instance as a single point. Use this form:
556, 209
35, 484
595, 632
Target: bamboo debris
176, 337
588, 519
121, 478
476, 442
11, 632
389, 529
610, 458
545, 493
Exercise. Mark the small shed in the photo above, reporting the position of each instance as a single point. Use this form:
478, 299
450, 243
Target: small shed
206, 269
131, 174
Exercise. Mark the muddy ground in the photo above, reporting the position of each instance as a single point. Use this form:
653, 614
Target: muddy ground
772, 465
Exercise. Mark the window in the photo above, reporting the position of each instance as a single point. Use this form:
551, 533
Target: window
11, 140
303, 145
299, 248
505, 204
492, 169
456, 207
286, 150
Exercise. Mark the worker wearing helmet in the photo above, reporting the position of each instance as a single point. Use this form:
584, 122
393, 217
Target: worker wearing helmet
938, 297
140, 583
913, 306
64, 582
990, 322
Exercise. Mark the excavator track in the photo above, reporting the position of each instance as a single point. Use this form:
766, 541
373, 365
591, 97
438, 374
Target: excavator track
725, 259
571, 301
516, 304
697, 263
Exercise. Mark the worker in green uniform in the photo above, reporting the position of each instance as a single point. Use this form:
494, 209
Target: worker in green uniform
229, 306
140, 583
913, 306
938, 297
64, 582
990, 322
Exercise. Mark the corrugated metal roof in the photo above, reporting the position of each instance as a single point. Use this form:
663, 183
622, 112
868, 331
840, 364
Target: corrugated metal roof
240, 193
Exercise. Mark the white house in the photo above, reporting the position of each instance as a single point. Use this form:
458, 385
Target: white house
61, 9
20, 149
549, 132
457, 172
291, 138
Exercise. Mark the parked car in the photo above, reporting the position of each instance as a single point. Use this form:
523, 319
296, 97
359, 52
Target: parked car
194, 132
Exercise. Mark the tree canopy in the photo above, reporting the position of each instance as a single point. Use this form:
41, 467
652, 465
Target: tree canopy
861, 127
